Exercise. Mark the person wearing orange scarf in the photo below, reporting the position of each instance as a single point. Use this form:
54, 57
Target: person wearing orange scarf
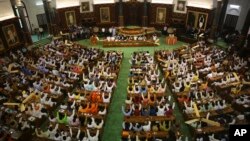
84, 110
94, 108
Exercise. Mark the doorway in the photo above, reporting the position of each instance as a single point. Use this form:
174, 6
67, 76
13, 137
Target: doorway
231, 21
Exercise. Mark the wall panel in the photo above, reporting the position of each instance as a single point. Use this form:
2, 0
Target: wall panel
152, 10
112, 11
18, 32
6, 11
132, 12
61, 19
209, 12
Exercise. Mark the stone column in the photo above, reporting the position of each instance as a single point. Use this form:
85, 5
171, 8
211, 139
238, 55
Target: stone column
145, 14
224, 4
47, 10
121, 17
246, 25
23, 15
216, 20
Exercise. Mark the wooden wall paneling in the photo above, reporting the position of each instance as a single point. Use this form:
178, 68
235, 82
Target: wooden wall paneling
87, 19
169, 13
133, 13
62, 19
113, 15
178, 20
117, 13
20, 40
2, 48
152, 10
140, 9
3, 45
151, 14
210, 13
246, 25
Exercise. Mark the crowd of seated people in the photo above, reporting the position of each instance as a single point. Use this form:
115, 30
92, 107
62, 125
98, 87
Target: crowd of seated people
239, 94
21, 106
212, 137
243, 100
82, 32
67, 85
78, 32
148, 110
226, 121
192, 32
104, 32
198, 74
141, 38
229, 35
126, 38
87, 106
236, 41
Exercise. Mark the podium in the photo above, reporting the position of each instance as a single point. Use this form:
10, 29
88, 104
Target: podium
93, 40
171, 40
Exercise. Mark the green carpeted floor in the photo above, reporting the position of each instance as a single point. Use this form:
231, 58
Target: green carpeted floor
113, 124
35, 38
220, 43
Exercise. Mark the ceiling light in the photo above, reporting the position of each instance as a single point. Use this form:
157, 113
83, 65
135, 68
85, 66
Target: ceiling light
234, 6
39, 3
19, 3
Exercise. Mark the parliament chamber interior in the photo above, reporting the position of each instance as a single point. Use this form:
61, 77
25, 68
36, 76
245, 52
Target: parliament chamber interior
124, 70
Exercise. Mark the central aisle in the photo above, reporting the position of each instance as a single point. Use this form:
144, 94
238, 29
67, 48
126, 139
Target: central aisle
113, 124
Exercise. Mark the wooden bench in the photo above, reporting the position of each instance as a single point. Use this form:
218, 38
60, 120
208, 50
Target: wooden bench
142, 119
227, 110
143, 134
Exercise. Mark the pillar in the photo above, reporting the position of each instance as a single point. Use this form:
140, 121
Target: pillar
224, 4
246, 26
25, 30
47, 10
216, 19
121, 17
145, 14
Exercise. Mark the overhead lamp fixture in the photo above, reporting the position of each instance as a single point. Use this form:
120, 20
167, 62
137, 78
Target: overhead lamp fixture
39, 3
234, 6
19, 3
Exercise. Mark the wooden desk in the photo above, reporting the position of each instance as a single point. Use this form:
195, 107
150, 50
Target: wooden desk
209, 129
203, 101
230, 97
35, 138
151, 94
241, 108
128, 43
229, 109
187, 39
212, 79
229, 85
182, 93
142, 119
75, 129
143, 134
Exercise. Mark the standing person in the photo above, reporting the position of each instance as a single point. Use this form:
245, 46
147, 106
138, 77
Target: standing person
113, 31
41, 32
165, 28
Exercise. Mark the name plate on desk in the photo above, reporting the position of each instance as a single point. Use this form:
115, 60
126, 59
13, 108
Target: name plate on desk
128, 43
